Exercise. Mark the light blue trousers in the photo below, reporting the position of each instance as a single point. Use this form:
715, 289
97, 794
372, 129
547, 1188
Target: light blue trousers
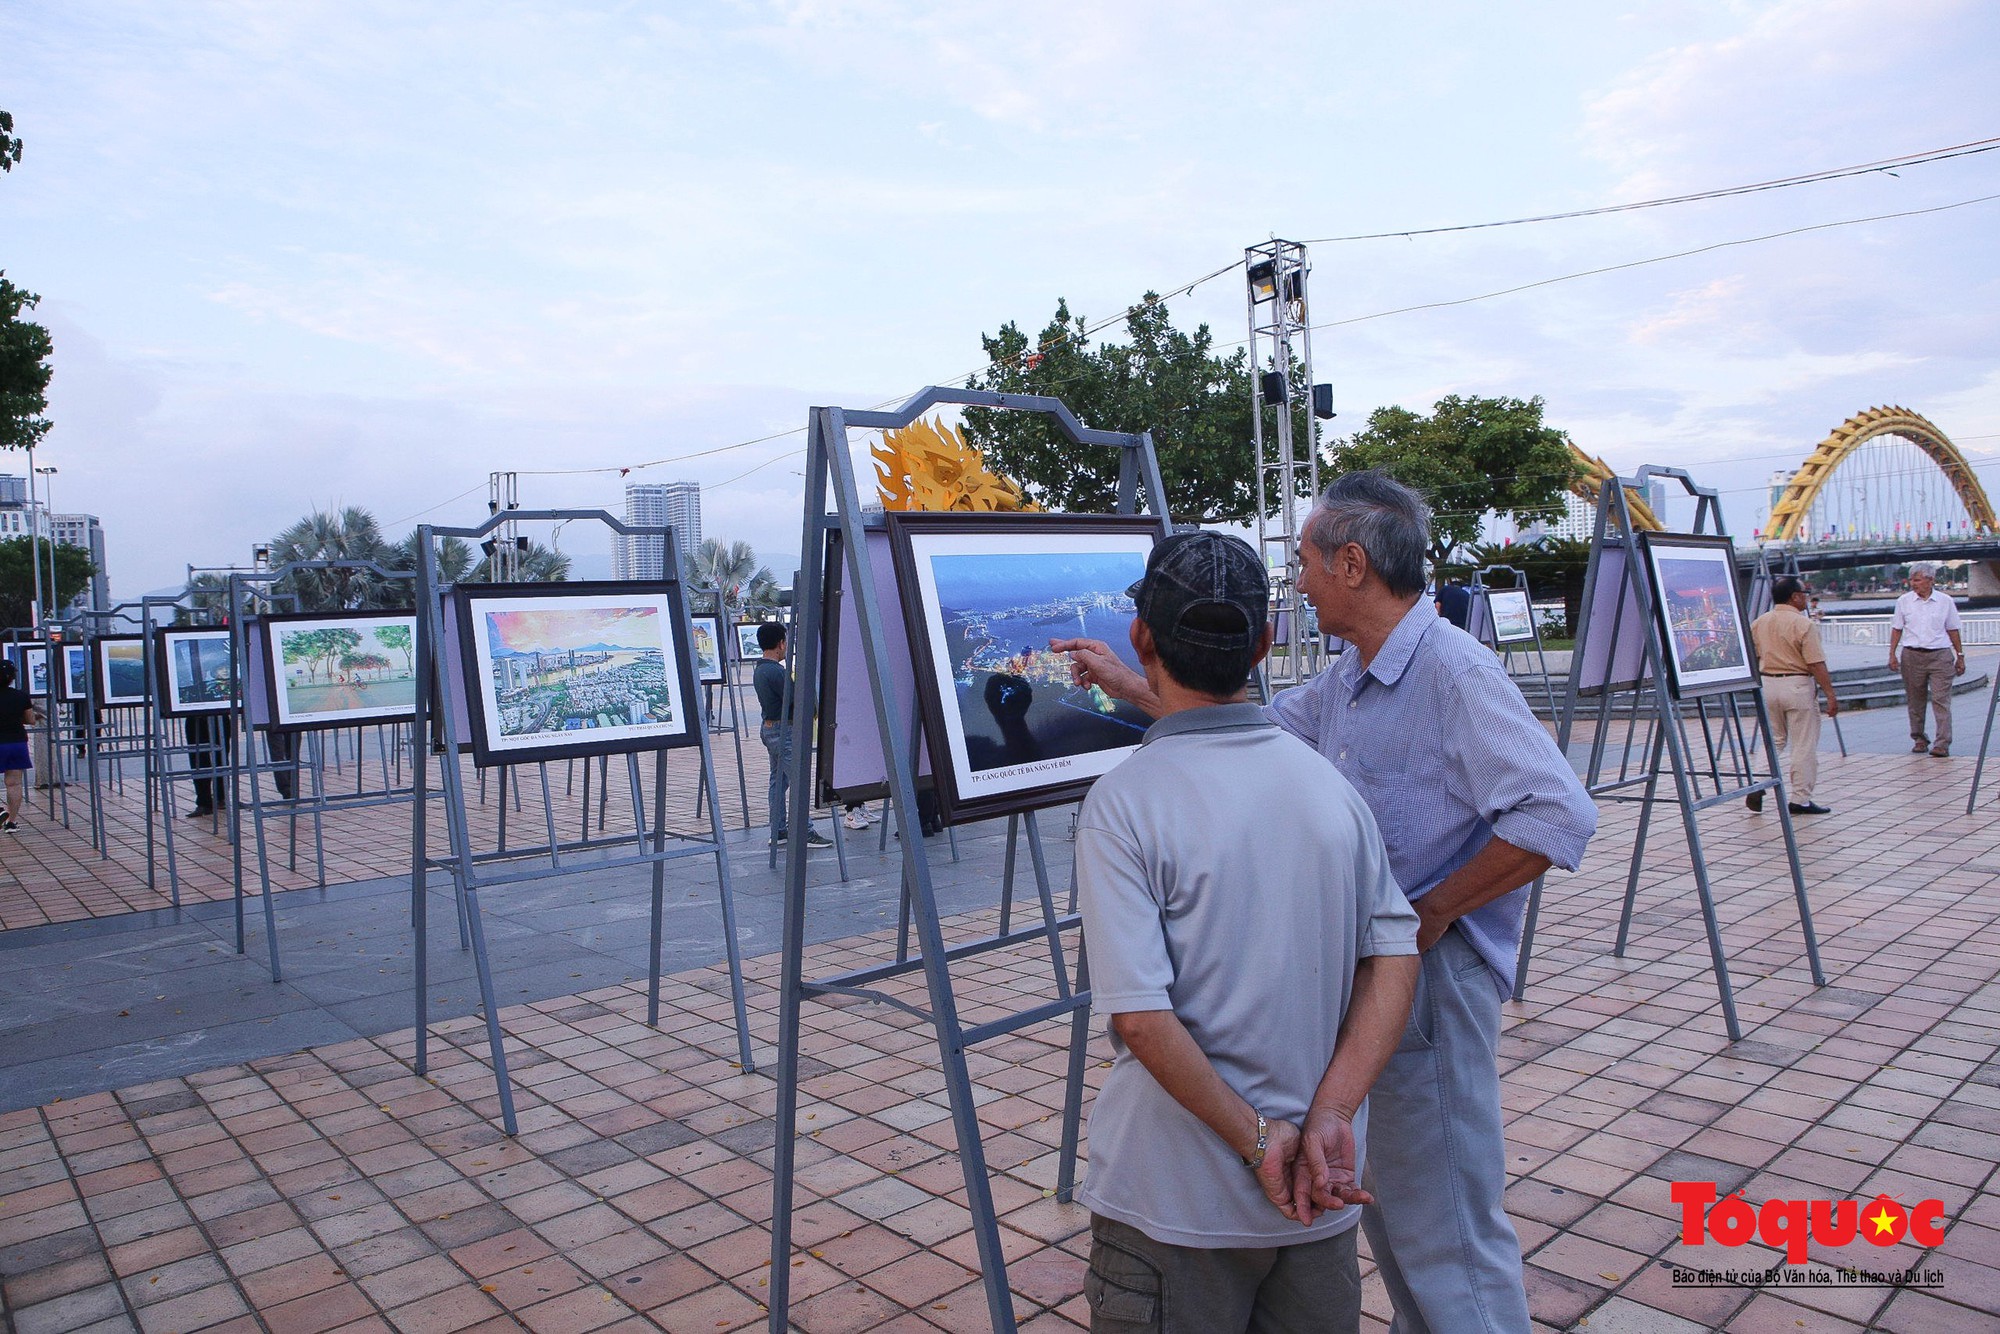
1437, 1159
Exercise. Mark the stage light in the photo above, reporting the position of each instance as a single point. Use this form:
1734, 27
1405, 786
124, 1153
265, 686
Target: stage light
1323, 402
489, 547
1263, 276
1276, 390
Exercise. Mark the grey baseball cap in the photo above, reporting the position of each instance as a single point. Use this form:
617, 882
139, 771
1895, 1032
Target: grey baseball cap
1200, 569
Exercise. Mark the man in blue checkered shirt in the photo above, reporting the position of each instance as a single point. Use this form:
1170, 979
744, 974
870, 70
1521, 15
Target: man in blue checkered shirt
1474, 801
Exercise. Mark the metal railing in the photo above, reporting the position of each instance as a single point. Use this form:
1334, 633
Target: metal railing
1975, 628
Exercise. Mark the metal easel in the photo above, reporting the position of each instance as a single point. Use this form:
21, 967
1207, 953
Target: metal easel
440, 727
1621, 660
833, 504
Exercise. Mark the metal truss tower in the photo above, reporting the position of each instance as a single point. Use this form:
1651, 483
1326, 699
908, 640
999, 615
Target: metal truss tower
1280, 336
503, 550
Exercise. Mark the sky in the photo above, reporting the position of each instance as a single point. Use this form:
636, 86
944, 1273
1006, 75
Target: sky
312, 254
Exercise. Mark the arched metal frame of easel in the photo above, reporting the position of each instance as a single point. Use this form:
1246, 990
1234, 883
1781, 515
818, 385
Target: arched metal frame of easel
1729, 768
649, 846
252, 593
1480, 593
830, 469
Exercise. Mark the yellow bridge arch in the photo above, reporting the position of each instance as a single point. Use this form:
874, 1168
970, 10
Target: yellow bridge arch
1793, 505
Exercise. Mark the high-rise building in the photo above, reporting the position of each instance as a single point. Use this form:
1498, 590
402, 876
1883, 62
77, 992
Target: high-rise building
83, 530
674, 503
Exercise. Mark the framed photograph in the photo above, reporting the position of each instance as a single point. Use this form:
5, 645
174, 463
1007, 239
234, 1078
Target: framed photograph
983, 594
849, 752
75, 678
747, 649
338, 669
707, 649
555, 670
31, 662
1700, 611
196, 670
121, 670
1513, 615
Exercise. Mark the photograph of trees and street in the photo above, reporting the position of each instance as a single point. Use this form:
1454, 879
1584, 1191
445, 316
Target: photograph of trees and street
347, 669
559, 670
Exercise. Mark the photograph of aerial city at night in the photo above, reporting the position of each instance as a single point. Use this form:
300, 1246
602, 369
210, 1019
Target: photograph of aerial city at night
1701, 614
1014, 697
564, 670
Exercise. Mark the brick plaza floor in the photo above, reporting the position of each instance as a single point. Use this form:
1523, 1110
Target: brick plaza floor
332, 1189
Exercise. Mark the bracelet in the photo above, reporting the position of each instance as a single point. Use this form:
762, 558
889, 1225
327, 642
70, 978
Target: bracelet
1263, 1142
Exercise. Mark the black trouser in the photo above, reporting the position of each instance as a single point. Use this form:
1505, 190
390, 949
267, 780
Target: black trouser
212, 741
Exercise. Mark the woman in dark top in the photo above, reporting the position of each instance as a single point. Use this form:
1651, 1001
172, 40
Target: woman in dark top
17, 714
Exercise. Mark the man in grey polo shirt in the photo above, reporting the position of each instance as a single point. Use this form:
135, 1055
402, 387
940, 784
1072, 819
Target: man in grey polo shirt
1257, 961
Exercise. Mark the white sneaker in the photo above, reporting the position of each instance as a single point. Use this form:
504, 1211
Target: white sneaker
855, 819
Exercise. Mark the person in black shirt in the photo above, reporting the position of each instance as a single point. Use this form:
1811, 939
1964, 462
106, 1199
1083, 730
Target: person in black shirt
17, 714
774, 698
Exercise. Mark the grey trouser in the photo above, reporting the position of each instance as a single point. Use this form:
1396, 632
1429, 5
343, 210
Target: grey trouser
1794, 705
1928, 672
1437, 1159
1140, 1286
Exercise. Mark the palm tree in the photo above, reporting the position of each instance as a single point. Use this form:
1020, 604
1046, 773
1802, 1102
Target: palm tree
349, 534
540, 565
454, 557
730, 570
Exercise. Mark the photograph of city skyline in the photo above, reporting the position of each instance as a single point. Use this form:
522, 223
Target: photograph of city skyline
569, 673
1009, 727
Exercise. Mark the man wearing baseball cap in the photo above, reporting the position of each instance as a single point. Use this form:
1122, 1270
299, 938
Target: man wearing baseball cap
1257, 960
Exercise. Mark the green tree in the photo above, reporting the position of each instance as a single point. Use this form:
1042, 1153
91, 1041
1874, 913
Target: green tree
74, 570
1471, 457
399, 638
543, 565
730, 570
24, 370
349, 534
10, 146
455, 557
1161, 379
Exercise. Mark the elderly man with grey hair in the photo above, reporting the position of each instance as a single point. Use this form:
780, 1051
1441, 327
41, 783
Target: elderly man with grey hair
1474, 801
1925, 648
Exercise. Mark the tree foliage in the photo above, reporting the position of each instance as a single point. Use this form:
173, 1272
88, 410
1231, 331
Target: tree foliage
10, 145
1163, 380
1470, 456
74, 569
24, 370
352, 534
730, 570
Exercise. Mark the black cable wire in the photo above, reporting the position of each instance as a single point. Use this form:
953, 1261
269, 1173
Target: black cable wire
1783, 183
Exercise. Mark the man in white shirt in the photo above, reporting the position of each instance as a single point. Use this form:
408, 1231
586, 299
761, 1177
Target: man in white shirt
1925, 629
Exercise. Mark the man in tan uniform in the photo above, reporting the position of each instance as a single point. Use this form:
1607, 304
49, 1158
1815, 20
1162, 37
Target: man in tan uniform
1792, 662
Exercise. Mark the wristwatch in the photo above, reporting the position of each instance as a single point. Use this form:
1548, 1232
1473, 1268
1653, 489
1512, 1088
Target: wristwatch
1263, 1142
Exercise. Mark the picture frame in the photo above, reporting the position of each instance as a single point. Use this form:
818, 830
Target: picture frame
559, 670
74, 682
1513, 614
1698, 605
710, 657
120, 661
337, 669
196, 670
31, 662
848, 753
982, 595
747, 648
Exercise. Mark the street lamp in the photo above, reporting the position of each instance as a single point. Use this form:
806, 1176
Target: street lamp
49, 507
